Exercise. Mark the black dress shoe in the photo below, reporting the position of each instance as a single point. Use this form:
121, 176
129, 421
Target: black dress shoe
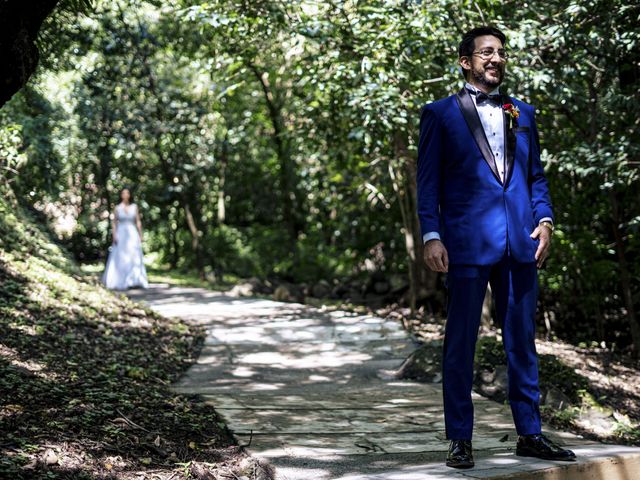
460, 454
540, 446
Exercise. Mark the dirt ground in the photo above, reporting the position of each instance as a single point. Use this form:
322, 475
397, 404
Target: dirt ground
609, 409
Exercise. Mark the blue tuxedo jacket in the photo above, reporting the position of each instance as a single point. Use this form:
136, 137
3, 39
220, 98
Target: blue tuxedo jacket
460, 194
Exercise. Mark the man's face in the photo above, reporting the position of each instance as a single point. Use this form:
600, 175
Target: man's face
485, 71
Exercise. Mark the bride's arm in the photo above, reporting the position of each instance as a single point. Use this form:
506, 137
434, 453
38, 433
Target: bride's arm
114, 226
138, 223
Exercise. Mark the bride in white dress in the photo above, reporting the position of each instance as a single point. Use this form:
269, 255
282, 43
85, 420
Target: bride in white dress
125, 266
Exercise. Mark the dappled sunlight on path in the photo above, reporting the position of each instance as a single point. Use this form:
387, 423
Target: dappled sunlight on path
312, 391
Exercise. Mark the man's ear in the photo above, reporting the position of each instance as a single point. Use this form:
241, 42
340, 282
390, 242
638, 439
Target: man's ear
465, 65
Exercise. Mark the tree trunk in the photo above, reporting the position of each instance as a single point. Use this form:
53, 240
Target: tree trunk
422, 283
487, 310
407, 233
188, 209
104, 162
195, 237
169, 173
224, 161
20, 22
291, 204
625, 277
173, 242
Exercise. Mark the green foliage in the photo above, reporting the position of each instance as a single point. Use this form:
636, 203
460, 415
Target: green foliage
26, 145
279, 138
188, 278
23, 238
489, 353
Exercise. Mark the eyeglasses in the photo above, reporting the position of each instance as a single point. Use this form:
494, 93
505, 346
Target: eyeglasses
487, 53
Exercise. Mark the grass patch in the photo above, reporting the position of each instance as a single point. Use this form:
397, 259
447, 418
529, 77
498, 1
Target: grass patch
179, 278
190, 279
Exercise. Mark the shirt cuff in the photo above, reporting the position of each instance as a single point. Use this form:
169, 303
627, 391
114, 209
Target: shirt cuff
546, 219
430, 236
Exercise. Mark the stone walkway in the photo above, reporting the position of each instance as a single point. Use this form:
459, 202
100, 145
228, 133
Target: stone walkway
311, 392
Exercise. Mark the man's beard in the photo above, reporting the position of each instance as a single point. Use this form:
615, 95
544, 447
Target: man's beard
479, 76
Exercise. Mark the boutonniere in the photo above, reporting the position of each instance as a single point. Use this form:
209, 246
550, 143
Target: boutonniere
513, 112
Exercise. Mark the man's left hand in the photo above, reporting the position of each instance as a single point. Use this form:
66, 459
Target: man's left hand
542, 253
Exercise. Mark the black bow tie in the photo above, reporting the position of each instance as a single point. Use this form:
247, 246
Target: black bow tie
495, 98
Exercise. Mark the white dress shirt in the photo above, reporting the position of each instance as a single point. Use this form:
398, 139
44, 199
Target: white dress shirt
492, 120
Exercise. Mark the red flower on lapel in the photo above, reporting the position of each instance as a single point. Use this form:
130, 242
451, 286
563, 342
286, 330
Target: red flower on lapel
513, 112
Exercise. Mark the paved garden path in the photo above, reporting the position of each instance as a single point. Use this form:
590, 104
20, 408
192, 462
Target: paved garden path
310, 391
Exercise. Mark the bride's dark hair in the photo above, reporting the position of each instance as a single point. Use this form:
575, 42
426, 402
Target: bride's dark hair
126, 187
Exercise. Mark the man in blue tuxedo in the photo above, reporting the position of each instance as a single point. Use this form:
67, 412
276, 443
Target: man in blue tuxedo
486, 217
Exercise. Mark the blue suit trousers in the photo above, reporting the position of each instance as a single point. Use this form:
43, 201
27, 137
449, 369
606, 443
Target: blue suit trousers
515, 288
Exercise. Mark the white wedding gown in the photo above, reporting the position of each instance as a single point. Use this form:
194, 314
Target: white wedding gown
125, 266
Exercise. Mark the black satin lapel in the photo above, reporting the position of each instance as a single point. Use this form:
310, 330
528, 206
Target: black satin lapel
509, 141
470, 114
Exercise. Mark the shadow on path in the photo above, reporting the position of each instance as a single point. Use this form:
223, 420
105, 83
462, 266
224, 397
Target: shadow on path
313, 392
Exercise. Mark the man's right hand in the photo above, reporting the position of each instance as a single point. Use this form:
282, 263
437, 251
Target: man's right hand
435, 256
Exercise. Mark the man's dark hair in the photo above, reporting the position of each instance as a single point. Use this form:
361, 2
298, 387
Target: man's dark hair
467, 44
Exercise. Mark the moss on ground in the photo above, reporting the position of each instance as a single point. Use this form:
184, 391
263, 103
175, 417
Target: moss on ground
85, 374
582, 406
552, 372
